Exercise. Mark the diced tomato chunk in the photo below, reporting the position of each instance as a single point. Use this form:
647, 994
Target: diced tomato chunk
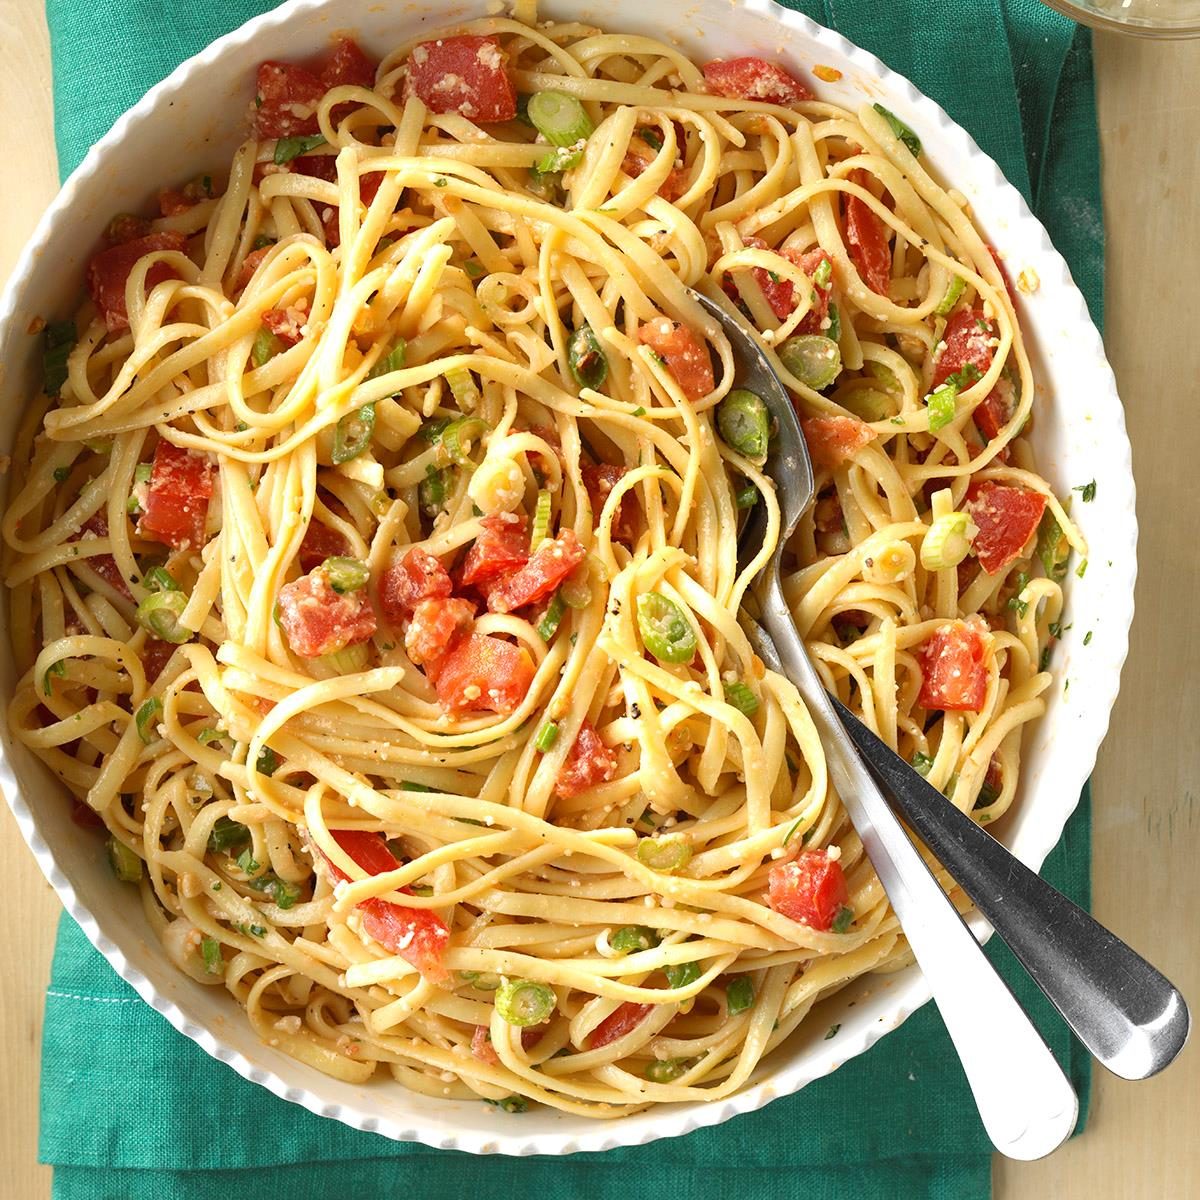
407, 581
639, 155
317, 620
109, 271
250, 264
84, 815
550, 564
1007, 518
810, 889
155, 655
617, 1024
126, 227
683, 351
181, 485
967, 341
866, 239
996, 409
435, 624
810, 262
418, 935
104, 564
481, 673
834, 440
780, 293
953, 675
287, 324
589, 763
287, 97
171, 201
320, 542
348, 65
482, 1048
753, 79
599, 480
466, 75
501, 547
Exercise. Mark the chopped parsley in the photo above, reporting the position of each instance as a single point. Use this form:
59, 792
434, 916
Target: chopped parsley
1087, 491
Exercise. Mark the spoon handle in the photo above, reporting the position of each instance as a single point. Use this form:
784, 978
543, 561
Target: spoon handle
1125, 1012
1025, 1101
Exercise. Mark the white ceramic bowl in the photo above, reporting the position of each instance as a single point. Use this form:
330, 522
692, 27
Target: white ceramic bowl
195, 118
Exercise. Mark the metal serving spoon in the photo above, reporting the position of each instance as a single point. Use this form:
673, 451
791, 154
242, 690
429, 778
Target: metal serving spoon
1025, 1101
1126, 1013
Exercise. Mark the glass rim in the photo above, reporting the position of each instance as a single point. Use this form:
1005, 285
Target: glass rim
1138, 27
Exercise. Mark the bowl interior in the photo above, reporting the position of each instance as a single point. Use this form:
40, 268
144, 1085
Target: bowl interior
1079, 435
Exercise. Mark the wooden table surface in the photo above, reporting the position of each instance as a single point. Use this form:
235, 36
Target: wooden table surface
1141, 1141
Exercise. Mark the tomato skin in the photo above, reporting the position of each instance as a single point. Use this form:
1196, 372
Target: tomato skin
317, 621
866, 239
287, 324
1007, 518
810, 889
589, 763
348, 65
599, 481
640, 155
967, 337
109, 270
684, 352
181, 485
418, 935
834, 440
287, 96
953, 675
320, 542
549, 565
482, 1048
501, 547
407, 581
171, 202
250, 264
465, 75
753, 79
481, 673
104, 564
435, 625
995, 410
617, 1024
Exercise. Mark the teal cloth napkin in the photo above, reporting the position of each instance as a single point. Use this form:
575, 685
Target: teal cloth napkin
130, 1109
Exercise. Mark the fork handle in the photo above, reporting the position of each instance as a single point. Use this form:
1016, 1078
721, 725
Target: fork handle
1025, 1101
1130, 1016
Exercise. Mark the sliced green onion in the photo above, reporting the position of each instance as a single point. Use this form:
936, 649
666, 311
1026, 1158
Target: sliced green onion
559, 118
666, 631
953, 291
835, 323
1052, 546
279, 890
1019, 606
431, 431
1081, 570
922, 764
586, 359
246, 861
550, 620
210, 951
946, 542
159, 579
226, 834
431, 494
525, 1002
843, 920
629, 939
126, 865
823, 275
988, 795
546, 737
745, 423
346, 574
815, 360
1087, 491
667, 1070
485, 981
739, 995
746, 497
885, 375
576, 589
541, 520
292, 147
393, 360
57, 343
651, 136
147, 712
667, 854
741, 697
56, 670
142, 472
99, 445
268, 761
868, 404
942, 404
409, 786
901, 130
679, 975
159, 615
353, 434
546, 185
210, 735
262, 242
349, 660
460, 437
266, 346
463, 388
510, 1104
561, 158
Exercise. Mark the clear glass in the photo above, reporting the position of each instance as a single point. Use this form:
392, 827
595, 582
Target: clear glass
1145, 18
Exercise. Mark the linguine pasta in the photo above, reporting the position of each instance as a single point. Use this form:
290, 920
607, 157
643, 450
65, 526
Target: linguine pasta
603, 867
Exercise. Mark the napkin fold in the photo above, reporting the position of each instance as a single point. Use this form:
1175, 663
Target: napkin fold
132, 1110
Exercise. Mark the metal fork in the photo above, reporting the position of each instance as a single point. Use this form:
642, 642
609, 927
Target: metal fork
1025, 1101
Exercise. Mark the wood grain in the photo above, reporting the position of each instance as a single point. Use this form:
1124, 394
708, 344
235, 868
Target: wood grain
1140, 1143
